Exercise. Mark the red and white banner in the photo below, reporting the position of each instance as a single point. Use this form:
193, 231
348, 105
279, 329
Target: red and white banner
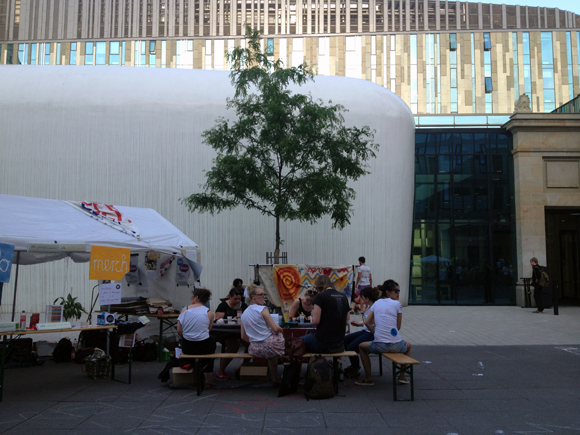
108, 215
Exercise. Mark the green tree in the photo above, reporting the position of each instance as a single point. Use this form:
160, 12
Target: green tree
287, 155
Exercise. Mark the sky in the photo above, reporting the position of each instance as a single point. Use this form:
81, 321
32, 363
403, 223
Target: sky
565, 5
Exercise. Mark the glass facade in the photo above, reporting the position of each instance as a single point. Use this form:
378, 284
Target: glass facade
463, 248
548, 72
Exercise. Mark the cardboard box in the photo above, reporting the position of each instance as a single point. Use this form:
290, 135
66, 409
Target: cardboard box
181, 376
254, 373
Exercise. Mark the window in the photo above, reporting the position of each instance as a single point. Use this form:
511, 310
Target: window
101, 53
151, 46
548, 72
452, 41
73, 54
89, 48
58, 61
488, 85
486, 42
270, 47
114, 53
47, 54
22, 54
33, 48
516, 69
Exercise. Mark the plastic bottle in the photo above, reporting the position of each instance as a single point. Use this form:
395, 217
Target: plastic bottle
286, 313
23, 320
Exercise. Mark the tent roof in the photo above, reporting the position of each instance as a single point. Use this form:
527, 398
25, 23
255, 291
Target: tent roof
26, 220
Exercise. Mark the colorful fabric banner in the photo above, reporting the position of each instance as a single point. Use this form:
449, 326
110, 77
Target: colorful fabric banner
284, 283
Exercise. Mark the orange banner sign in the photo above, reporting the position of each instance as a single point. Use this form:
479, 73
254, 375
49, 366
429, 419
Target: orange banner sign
109, 263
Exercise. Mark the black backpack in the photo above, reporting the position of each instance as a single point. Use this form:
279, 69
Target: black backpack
63, 350
319, 382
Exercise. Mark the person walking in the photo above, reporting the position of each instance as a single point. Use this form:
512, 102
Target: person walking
364, 278
536, 275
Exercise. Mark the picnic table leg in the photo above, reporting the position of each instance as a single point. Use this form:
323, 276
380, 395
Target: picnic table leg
412, 384
381, 364
394, 381
160, 344
200, 377
336, 374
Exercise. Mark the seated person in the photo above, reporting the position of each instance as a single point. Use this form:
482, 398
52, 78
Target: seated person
265, 335
368, 297
303, 305
193, 326
386, 316
229, 307
330, 314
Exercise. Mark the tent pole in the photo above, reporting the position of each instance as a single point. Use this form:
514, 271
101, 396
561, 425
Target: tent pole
15, 284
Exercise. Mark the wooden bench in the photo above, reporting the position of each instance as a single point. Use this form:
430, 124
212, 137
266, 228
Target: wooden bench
399, 360
335, 357
201, 379
198, 358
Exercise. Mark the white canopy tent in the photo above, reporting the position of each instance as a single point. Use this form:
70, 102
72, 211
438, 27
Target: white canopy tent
43, 230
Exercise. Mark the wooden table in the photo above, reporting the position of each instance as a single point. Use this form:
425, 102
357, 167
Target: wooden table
4, 336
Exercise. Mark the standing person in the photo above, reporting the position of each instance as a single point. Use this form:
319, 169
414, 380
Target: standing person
229, 308
384, 320
194, 326
330, 314
536, 275
265, 336
364, 279
369, 296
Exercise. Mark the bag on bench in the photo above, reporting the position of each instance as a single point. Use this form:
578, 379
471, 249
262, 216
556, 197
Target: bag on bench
319, 382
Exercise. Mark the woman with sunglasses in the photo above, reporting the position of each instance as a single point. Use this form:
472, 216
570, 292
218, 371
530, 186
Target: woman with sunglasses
265, 336
384, 321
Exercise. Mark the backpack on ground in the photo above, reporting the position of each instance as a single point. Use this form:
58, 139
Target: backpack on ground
544, 280
319, 382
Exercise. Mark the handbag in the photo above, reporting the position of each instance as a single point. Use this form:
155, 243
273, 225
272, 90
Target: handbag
295, 347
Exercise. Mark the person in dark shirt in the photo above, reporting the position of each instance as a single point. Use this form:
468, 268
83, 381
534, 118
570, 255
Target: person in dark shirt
230, 307
330, 315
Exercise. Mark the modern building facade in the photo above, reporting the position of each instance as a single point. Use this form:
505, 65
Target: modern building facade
439, 56
460, 66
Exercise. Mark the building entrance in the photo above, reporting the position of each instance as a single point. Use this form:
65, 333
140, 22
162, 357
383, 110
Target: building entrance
562, 244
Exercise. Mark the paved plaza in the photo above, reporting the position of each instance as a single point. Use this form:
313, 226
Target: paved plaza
484, 370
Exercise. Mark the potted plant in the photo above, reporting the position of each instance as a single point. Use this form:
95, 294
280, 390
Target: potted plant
71, 308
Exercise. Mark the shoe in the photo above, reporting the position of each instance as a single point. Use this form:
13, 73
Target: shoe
365, 383
222, 376
403, 381
536, 312
351, 372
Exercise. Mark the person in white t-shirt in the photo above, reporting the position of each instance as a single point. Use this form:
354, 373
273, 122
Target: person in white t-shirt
384, 320
364, 278
265, 336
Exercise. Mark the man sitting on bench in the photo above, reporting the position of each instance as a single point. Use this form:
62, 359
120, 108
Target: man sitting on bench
330, 315
386, 315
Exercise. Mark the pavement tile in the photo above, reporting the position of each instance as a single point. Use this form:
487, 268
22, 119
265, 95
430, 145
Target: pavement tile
361, 420
291, 420
234, 420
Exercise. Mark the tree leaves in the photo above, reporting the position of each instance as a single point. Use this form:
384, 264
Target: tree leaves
287, 155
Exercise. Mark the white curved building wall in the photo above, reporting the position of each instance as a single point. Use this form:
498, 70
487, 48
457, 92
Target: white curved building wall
131, 136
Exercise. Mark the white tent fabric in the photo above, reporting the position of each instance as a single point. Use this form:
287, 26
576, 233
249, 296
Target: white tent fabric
25, 220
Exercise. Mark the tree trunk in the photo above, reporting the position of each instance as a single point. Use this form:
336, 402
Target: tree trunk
277, 250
